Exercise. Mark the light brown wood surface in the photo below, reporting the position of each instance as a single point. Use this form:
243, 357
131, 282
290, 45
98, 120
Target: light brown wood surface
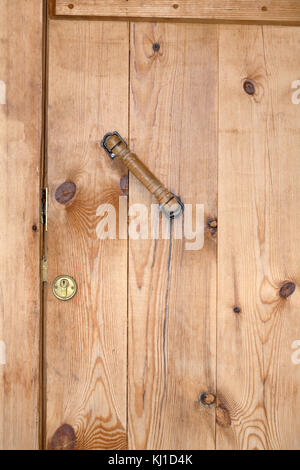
277, 11
259, 192
153, 325
86, 337
20, 145
177, 349
173, 128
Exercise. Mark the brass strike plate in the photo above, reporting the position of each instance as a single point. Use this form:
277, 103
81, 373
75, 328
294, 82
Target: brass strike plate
64, 287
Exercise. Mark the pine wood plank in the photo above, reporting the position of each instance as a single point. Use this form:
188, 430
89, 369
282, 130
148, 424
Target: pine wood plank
86, 337
20, 144
259, 237
266, 11
171, 332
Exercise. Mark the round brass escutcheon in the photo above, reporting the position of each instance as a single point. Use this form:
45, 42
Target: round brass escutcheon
64, 287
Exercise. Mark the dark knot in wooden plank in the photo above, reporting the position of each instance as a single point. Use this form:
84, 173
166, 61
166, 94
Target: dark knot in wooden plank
65, 192
207, 399
64, 438
156, 46
212, 225
249, 87
237, 309
287, 289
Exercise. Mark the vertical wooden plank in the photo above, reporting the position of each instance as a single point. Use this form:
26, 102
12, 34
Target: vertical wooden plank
259, 237
86, 337
173, 128
20, 144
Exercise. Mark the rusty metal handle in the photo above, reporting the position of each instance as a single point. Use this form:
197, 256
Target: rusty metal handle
117, 148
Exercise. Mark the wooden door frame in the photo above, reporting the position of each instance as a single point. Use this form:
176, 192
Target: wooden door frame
229, 11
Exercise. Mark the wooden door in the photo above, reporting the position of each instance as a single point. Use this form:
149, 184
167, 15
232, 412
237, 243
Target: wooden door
165, 347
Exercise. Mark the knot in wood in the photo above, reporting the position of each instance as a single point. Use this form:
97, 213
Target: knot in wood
249, 87
65, 192
287, 289
207, 399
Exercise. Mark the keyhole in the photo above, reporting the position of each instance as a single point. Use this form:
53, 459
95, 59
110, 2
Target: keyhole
64, 284
64, 287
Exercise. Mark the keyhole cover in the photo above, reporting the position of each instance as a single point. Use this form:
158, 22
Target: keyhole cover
64, 287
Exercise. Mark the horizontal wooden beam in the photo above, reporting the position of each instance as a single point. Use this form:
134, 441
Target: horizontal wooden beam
244, 11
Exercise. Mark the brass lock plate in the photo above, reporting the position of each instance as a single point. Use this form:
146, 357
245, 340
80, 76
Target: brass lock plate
64, 287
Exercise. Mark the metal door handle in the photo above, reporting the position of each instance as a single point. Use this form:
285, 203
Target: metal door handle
116, 147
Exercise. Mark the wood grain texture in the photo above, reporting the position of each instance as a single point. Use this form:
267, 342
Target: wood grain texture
172, 311
20, 145
259, 237
276, 11
86, 337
